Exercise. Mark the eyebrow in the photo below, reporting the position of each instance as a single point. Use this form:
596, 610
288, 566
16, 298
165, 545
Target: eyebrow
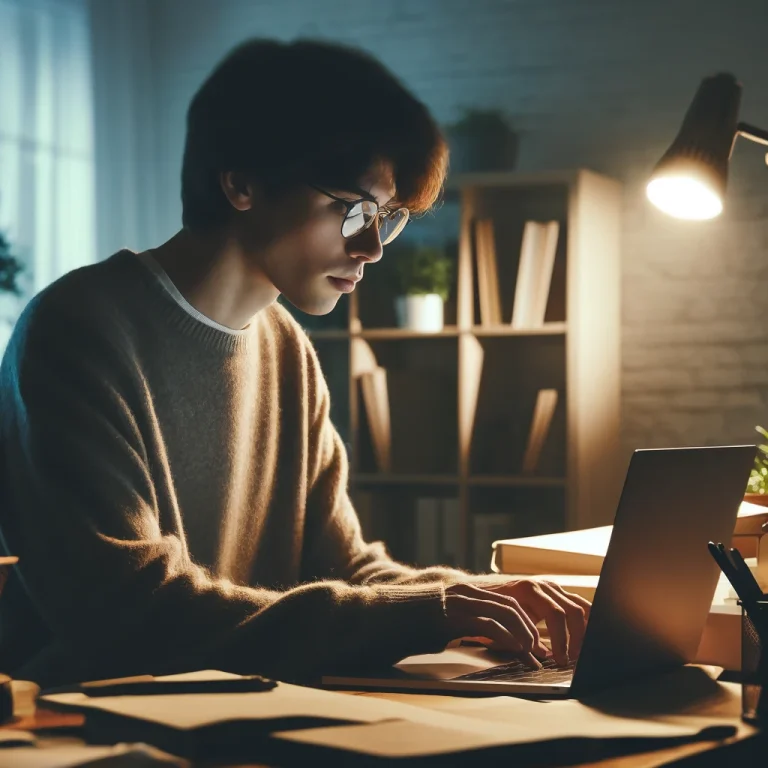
364, 194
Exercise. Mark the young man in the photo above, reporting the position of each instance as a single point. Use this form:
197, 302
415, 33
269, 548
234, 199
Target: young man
172, 482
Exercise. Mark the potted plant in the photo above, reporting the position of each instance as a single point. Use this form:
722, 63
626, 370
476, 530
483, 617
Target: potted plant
757, 487
10, 268
481, 140
424, 273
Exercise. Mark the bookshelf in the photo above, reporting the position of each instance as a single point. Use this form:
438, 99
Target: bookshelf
461, 401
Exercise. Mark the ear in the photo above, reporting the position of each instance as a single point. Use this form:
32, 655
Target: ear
239, 191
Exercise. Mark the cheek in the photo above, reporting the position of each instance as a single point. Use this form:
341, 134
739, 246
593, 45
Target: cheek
317, 244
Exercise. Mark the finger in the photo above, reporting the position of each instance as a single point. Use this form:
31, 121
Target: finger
537, 645
497, 633
555, 618
507, 611
504, 640
572, 596
575, 619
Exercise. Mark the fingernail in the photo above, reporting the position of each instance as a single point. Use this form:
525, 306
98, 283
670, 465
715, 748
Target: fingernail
534, 662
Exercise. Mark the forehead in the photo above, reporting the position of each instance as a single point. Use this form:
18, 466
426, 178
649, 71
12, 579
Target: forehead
378, 182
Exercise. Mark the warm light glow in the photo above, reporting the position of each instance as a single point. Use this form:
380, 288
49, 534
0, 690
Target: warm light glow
684, 197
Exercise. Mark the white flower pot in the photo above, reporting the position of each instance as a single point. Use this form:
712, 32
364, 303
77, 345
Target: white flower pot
423, 312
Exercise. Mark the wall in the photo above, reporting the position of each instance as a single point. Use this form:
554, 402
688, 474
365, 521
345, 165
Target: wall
595, 83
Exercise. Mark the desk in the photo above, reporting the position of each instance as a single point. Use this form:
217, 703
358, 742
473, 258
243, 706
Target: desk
715, 702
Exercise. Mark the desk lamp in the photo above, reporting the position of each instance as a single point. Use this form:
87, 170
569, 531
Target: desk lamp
690, 179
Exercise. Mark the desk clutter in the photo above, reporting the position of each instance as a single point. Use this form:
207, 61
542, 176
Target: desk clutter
285, 724
573, 560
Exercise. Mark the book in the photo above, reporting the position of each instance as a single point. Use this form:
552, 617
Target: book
487, 273
428, 531
534, 273
570, 552
376, 402
544, 410
574, 552
487, 528
551, 231
451, 552
438, 540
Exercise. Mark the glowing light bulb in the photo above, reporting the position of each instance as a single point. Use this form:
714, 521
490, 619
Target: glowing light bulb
684, 197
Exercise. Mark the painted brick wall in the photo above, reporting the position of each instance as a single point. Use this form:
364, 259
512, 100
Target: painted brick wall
595, 83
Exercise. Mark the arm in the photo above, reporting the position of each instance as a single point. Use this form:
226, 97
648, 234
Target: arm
108, 570
336, 549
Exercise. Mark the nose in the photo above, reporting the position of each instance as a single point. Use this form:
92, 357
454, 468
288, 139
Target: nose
367, 245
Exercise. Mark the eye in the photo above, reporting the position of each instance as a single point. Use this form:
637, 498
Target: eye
340, 207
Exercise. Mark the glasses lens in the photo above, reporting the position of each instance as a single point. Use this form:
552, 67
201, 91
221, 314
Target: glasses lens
391, 225
359, 218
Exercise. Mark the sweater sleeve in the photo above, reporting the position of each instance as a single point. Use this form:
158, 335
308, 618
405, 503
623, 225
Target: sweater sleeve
107, 573
336, 548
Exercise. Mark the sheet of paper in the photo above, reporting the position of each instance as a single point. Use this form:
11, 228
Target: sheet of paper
187, 711
71, 755
502, 724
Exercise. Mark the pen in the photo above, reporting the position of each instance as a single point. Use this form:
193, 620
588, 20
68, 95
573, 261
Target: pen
747, 575
146, 685
747, 589
735, 578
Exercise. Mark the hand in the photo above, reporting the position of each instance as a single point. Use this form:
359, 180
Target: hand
507, 615
484, 614
565, 614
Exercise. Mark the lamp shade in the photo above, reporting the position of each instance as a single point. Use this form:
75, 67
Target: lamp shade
690, 179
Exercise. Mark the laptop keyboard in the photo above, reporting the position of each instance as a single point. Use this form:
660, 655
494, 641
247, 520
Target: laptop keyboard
518, 672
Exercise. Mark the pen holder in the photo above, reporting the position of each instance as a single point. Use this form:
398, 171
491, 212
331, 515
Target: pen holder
754, 663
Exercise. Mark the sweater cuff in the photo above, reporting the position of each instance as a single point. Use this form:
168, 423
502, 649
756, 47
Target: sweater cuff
411, 619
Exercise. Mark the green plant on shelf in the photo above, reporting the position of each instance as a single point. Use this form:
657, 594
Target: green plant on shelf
480, 122
424, 269
758, 478
10, 267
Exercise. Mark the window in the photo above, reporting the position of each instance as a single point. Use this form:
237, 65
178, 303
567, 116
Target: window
46, 139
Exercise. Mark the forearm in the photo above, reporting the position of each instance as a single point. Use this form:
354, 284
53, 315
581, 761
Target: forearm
169, 616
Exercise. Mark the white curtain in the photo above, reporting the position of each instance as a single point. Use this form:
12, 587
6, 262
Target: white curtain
46, 137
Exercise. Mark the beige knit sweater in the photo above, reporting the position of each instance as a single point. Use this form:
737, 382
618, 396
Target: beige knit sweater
177, 495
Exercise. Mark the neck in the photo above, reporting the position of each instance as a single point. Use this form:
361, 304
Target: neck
215, 275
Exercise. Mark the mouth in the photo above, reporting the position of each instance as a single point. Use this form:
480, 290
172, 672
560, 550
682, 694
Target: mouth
343, 284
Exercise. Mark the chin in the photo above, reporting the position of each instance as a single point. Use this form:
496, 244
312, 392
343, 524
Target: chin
314, 305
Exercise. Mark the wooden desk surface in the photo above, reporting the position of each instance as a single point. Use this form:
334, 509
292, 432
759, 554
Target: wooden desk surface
699, 695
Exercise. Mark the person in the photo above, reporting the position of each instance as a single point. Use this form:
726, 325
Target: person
172, 482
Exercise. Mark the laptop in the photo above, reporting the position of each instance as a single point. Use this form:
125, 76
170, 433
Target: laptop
653, 596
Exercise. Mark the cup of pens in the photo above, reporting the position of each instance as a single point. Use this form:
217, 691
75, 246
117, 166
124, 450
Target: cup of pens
754, 633
754, 664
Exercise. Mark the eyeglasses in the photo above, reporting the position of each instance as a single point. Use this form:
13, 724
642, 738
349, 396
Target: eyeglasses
361, 213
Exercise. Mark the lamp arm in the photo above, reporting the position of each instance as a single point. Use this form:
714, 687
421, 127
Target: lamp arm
752, 133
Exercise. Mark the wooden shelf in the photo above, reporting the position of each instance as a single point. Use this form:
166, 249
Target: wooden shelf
329, 334
549, 329
405, 333
373, 478
511, 179
512, 481
467, 445
517, 481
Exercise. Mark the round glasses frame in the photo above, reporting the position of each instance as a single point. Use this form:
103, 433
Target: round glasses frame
397, 216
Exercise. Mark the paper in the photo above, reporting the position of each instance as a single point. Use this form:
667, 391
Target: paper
189, 711
500, 722
70, 755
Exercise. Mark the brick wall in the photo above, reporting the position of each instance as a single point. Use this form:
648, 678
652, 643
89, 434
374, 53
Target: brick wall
595, 83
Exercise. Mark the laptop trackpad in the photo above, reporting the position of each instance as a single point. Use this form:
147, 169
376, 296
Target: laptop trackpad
451, 663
